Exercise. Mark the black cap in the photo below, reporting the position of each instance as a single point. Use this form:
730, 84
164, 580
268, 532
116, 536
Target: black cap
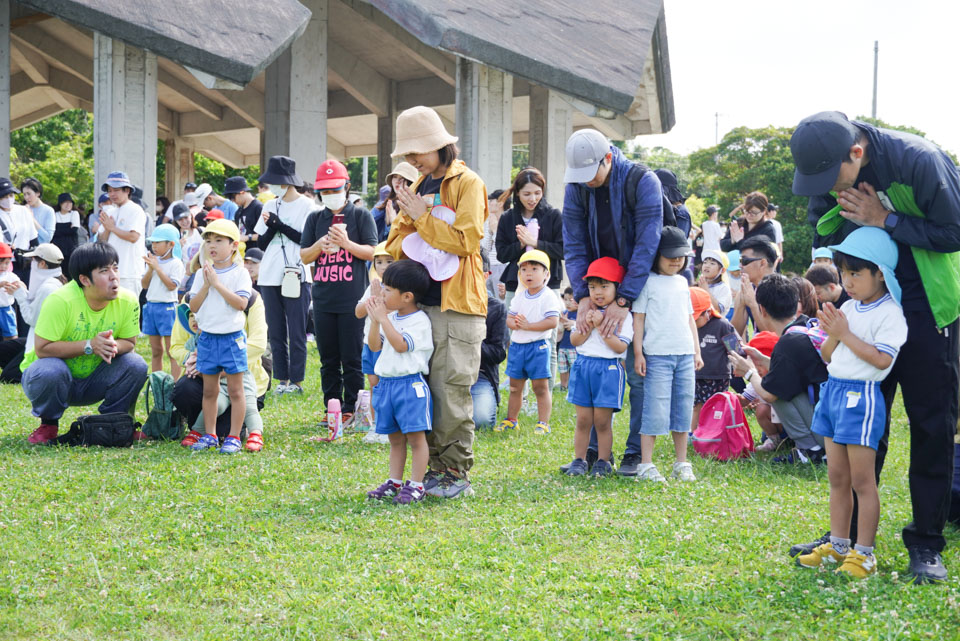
7, 188
819, 144
235, 185
772, 207
190, 186
254, 254
712, 209
673, 243
179, 210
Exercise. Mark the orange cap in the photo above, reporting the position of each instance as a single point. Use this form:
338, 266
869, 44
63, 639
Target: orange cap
701, 302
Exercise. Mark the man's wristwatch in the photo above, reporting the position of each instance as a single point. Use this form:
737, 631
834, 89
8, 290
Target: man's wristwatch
749, 375
88, 348
622, 302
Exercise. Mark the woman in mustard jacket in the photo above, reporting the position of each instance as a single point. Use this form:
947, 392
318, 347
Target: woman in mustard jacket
457, 306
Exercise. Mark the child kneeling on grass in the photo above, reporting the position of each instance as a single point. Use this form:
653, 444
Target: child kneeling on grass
598, 379
402, 333
863, 339
219, 295
534, 314
666, 350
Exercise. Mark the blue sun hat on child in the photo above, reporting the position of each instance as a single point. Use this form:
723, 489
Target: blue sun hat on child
167, 233
875, 245
733, 260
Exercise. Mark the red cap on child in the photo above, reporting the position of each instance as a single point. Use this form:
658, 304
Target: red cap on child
5, 251
701, 302
764, 342
607, 268
214, 214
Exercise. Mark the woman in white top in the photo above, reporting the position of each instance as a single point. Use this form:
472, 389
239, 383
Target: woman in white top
280, 228
66, 225
16, 228
46, 277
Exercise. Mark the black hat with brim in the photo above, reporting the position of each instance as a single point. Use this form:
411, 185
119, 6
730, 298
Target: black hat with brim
281, 170
673, 243
7, 188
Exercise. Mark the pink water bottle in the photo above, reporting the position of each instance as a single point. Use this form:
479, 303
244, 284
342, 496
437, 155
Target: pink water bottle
533, 226
334, 419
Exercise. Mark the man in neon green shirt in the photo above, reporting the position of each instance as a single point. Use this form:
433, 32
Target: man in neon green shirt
83, 350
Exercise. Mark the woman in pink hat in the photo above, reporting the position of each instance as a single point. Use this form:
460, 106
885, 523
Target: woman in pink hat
457, 305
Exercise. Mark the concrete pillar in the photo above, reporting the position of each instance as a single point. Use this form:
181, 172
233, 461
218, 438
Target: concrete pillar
386, 138
485, 121
551, 124
125, 114
180, 170
295, 97
4, 87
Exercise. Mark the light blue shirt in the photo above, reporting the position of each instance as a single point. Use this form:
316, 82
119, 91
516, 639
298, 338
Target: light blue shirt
229, 209
45, 216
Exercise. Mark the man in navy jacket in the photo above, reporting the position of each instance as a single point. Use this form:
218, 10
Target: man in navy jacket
598, 222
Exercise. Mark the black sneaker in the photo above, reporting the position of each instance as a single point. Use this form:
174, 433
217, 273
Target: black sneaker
602, 468
592, 457
807, 548
576, 467
926, 566
796, 455
628, 465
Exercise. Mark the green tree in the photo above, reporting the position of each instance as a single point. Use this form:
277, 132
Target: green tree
66, 166
33, 143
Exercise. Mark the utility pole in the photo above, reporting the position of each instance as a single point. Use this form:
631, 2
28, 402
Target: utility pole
876, 50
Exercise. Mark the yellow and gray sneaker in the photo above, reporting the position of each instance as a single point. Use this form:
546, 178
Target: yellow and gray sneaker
505, 424
858, 566
821, 555
541, 428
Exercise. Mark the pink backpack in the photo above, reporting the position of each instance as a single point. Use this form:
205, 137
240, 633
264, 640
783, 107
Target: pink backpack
722, 432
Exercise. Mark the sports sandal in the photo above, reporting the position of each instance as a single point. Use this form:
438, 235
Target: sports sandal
192, 437
505, 424
231, 445
254, 442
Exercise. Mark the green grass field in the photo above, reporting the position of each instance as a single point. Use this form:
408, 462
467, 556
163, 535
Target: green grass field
156, 542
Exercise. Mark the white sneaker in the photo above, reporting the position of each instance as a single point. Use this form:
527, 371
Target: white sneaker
684, 472
280, 389
649, 472
373, 437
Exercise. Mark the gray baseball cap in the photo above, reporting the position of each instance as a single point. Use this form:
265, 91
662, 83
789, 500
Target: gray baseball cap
585, 149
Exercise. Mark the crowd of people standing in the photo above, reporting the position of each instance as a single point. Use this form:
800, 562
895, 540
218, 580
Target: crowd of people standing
468, 277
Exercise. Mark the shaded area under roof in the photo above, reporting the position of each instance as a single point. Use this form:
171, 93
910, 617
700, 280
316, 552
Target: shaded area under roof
591, 50
233, 40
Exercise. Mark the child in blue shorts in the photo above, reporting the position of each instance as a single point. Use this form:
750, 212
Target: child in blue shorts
165, 272
402, 333
220, 293
533, 316
8, 318
381, 260
863, 339
598, 379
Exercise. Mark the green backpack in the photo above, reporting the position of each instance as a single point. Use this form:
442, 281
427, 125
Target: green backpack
163, 420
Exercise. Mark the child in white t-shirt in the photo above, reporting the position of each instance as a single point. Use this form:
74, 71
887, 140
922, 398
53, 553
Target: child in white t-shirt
598, 379
666, 349
8, 318
533, 316
220, 293
863, 339
403, 335
165, 272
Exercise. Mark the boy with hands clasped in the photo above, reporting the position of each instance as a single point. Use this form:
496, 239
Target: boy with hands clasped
597, 378
403, 335
220, 293
534, 314
863, 339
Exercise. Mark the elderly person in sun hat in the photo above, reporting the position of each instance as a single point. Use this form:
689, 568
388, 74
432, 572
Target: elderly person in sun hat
442, 213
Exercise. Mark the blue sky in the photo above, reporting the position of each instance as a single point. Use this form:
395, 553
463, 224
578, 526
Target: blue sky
774, 62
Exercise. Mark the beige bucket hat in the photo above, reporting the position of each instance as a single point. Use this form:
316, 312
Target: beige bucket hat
419, 131
404, 170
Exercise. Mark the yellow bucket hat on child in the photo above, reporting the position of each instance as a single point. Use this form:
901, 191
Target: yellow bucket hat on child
535, 256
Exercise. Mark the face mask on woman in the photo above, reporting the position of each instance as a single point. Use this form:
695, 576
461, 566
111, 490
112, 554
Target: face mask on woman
334, 201
6, 202
277, 190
